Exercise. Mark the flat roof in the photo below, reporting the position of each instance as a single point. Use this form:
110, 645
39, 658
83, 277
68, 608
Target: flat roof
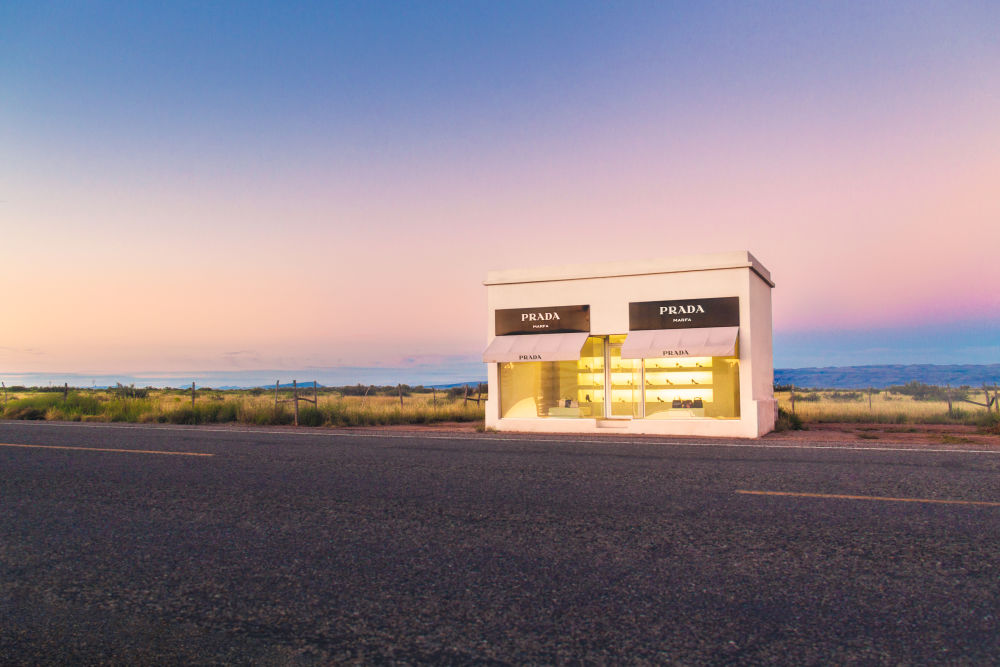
633, 267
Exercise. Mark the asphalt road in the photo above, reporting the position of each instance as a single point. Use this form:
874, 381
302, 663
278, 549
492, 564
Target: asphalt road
324, 546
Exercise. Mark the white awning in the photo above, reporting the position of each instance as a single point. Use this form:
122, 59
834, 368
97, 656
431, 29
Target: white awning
536, 347
658, 343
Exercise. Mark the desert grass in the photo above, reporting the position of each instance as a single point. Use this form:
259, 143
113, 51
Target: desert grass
885, 408
240, 407
333, 409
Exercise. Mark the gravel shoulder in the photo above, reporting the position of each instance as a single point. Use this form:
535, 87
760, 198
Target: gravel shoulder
848, 435
918, 436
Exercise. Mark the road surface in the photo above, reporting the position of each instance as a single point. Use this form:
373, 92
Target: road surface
137, 544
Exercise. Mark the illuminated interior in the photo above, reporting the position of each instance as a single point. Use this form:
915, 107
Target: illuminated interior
561, 389
626, 381
669, 388
590, 374
692, 387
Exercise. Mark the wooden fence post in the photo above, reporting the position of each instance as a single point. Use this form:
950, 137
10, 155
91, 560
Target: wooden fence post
192, 395
948, 394
295, 397
479, 394
277, 383
4, 394
65, 391
791, 393
869, 399
315, 395
399, 388
434, 397
465, 401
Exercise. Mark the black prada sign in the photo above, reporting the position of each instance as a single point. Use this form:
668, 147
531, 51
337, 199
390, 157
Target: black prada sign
684, 314
552, 319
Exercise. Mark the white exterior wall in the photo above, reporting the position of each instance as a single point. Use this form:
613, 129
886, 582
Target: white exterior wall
762, 355
608, 289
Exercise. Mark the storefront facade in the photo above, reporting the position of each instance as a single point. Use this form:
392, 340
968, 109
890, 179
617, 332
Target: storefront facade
678, 346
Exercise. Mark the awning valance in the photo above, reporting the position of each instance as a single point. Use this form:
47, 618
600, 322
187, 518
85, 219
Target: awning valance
535, 347
659, 343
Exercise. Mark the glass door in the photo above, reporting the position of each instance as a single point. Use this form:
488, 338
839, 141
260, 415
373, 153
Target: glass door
623, 380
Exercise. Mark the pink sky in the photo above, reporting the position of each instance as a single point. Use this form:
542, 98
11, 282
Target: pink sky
173, 244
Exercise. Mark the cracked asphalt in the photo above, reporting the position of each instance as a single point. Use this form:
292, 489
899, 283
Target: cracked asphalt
318, 547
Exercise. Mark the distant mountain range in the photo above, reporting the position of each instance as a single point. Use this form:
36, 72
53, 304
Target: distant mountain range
858, 377
832, 377
877, 377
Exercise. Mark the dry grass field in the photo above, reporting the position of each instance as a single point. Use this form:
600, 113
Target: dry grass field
880, 407
334, 408
238, 406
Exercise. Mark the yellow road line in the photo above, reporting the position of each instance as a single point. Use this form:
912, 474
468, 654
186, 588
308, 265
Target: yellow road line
102, 449
984, 503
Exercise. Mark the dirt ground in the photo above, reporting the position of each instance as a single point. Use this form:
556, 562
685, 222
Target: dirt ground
916, 435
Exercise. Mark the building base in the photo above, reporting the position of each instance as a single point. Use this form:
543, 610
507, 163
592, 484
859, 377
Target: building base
748, 427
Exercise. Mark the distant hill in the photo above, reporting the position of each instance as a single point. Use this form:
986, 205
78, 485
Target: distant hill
857, 377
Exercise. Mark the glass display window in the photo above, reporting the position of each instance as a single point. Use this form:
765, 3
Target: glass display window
625, 378
692, 388
559, 389
602, 384
590, 371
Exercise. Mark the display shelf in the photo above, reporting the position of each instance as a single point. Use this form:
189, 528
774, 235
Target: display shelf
670, 395
688, 363
678, 377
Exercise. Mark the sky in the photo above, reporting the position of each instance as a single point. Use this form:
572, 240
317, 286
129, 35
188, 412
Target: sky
251, 186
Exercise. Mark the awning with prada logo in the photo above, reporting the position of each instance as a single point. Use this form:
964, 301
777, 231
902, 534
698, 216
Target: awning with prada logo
659, 343
536, 347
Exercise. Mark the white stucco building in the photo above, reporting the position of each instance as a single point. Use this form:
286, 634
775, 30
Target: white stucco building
678, 346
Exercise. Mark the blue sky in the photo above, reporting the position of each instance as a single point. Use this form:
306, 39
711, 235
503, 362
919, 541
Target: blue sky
235, 187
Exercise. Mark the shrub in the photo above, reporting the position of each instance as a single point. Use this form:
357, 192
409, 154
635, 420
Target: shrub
787, 421
27, 412
121, 391
990, 423
128, 410
355, 390
184, 415
310, 417
279, 417
204, 413
928, 392
52, 406
845, 395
